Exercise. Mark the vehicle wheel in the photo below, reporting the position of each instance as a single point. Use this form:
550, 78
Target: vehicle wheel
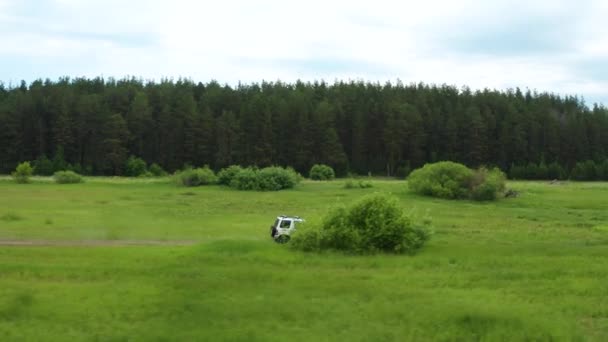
282, 239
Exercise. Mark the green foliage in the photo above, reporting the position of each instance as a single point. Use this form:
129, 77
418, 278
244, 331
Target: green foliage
135, 167
67, 177
585, 171
456, 181
358, 183
356, 126
59, 163
443, 179
403, 171
321, 172
226, 175
271, 178
603, 170
43, 166
373, 224
487, 185
556, 171
196, 177
157, 170
23, 172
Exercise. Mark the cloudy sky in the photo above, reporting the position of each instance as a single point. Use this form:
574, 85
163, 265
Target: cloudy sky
554, 46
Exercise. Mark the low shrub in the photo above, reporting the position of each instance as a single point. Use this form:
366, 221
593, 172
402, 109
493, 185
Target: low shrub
271, 178
43, 166
246, 179
67, 177
321, 172
277, 178
157, 171
196, 177
23, 172
226, 175
487, 185
135, 167
355, 184
376, 223
443, 179
455, 181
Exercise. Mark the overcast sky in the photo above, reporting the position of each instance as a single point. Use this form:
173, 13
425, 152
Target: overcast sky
540, 45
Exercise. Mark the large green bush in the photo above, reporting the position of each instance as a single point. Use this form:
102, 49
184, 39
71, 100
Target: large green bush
321, 172
67, 177
443, 179
487, 185
455, 181
23, 172
157, 171
226, 175
376, 223
43, 166
196, 177
246, 179
135, 167
271, 178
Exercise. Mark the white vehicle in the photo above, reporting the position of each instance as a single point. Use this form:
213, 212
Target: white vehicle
282, 228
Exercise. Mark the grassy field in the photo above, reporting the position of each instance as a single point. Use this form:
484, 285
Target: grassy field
528, 268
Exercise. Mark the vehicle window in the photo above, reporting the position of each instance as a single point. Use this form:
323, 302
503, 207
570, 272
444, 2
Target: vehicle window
285, 224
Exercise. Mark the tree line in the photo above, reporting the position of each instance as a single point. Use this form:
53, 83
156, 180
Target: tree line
95, 125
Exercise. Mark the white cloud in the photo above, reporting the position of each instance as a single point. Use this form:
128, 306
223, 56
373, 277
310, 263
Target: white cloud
541, 45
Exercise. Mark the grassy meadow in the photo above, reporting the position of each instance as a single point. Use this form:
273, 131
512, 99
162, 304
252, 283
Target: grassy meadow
533, 267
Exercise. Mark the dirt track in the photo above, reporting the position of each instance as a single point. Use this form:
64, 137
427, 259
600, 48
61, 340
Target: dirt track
94, 243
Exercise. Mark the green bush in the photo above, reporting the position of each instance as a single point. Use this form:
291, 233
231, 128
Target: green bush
454, 181
226, 175
196, 177
157, 171
277, 178
43, 166
23, 172
67, 177
443, 179
135, 167
487, 185
354, 184
376, 223
321, 172
246, 179
271, 178
585, 171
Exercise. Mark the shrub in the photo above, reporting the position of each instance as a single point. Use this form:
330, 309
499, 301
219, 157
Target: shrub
43, 166
23, 172
321, 172
452, 181
271, 178
486, 184
67, 177
403, 171
444, 179
196, 177
226, 175
246, 179
603, 170
157, 171
135, 167
353, 184
584, 171
277, 178
376, 223
555, 171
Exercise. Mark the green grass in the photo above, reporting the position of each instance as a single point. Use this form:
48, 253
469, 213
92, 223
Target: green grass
529, 268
